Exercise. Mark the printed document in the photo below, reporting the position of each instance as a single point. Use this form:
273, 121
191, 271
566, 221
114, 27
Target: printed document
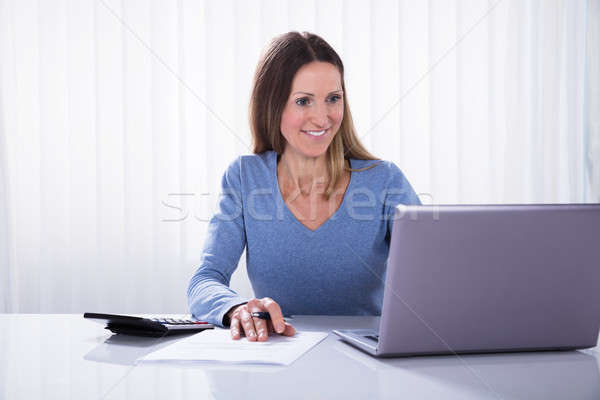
216, 345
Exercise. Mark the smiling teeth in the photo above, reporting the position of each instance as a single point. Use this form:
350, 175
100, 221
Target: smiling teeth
315, 133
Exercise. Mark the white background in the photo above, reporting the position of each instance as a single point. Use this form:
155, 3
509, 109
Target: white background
118, 118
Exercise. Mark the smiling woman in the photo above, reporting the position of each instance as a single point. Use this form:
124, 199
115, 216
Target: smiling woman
110, 110
308, 95
310, 121
312, 205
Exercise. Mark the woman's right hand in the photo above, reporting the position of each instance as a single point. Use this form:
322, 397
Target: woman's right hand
255, 328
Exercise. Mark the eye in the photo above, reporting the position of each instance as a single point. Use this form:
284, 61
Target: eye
302, 101
335, 98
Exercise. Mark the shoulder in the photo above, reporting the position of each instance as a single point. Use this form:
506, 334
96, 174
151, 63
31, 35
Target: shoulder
257, 161
253, 169
379, 171
386, 177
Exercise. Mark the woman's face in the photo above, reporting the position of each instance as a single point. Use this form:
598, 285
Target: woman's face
314, 111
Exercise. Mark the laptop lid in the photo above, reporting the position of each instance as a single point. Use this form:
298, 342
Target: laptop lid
491, 278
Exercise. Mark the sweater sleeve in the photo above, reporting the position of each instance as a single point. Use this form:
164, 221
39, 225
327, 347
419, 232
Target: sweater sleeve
398, 191
209, 296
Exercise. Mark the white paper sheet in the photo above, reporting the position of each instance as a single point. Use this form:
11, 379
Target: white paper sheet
216, 345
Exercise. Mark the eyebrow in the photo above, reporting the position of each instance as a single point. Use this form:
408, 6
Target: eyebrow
310, 94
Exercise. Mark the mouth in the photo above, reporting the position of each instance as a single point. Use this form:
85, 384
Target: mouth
315, 133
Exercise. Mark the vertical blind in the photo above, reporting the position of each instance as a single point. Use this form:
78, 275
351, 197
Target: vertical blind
118, 118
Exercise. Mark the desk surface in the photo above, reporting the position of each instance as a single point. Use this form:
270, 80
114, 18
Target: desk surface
67, 357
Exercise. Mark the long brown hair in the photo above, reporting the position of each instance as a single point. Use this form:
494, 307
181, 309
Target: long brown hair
273, 78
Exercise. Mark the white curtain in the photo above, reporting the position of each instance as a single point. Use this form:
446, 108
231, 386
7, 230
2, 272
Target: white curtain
117, 119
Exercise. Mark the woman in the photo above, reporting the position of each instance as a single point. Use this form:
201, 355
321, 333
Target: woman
312, 206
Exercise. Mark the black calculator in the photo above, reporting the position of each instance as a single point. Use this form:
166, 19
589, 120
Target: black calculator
140, 326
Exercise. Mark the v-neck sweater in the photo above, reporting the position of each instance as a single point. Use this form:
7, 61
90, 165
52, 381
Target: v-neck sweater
336, 269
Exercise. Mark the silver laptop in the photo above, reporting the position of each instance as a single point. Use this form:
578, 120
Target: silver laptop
494, 278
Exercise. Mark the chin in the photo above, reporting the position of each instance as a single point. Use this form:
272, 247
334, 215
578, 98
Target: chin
313, 153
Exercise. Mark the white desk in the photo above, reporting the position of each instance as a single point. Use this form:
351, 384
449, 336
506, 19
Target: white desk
67, 357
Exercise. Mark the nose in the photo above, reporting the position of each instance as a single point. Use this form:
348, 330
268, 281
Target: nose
319, 115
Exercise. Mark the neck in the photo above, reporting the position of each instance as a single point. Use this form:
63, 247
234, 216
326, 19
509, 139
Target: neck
304, 173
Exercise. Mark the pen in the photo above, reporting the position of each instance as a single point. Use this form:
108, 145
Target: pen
262, 315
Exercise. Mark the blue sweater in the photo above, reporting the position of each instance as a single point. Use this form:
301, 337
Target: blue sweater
337, 269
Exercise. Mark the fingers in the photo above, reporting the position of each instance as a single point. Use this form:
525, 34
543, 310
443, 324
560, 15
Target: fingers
248, 324
271, 328
262, 329
275, 312
235, 327
257, 329
289, 330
